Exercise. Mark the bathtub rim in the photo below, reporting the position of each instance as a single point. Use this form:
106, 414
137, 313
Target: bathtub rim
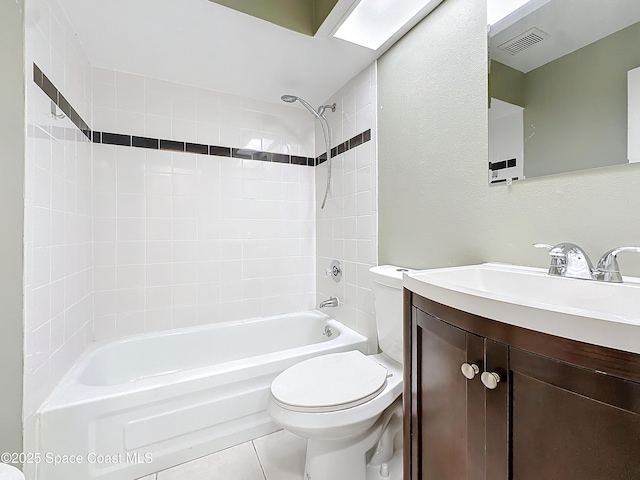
71, 391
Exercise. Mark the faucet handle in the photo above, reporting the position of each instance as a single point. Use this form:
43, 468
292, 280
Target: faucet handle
608, 269
558, 259
568, 260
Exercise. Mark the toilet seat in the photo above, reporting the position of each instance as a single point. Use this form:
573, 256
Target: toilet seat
328, 383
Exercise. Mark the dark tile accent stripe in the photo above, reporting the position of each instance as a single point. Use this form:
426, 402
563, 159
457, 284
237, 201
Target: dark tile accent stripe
116, 139
281, 158
63, 104
172, 145
242, 153
262, 156
219, 151
353, 142
144, 142
197, 148
49, 89
37, 76
109, 138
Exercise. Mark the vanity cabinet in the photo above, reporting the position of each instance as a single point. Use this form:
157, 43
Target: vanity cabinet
551, 409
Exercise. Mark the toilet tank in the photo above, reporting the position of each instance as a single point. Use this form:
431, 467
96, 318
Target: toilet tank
386, 282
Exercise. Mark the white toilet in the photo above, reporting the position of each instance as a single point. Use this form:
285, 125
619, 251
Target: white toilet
349, 405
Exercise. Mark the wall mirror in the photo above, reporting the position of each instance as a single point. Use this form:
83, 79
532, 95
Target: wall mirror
564, 86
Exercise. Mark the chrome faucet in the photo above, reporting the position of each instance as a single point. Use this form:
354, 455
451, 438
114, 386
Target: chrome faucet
329, 302
568, 260
608, 269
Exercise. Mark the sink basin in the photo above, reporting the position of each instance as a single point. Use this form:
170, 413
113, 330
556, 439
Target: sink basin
601, 313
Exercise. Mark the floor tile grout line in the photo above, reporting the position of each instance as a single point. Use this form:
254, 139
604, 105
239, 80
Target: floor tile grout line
264, 474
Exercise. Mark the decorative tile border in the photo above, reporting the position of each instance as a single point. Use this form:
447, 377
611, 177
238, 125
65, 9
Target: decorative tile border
353, 142
109, 138
56, 97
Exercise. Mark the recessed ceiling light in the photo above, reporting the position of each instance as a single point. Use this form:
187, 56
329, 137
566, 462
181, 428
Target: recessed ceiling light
372, 22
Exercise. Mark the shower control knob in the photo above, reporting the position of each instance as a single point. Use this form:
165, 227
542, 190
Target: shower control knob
469, 371
335, 271
490, 380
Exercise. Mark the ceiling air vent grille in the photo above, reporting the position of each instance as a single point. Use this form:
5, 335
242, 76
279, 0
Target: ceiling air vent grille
523, 41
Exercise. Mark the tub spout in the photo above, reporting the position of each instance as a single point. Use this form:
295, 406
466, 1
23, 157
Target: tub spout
329, 302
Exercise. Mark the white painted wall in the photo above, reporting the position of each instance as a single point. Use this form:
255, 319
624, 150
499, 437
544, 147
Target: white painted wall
433, 111
347, 226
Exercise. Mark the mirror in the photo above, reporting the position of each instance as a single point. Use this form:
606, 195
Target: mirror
564, 95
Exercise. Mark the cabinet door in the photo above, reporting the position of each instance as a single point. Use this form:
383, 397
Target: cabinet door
572, 423
448, 408
497, 411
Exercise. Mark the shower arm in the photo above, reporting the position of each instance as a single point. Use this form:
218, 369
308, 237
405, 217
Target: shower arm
319, 114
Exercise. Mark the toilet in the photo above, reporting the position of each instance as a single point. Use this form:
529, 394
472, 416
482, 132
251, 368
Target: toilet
8, 472
349, 405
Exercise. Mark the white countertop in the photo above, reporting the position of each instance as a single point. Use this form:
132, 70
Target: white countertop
589, 311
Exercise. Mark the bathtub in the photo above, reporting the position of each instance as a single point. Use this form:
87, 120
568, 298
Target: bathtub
146, 403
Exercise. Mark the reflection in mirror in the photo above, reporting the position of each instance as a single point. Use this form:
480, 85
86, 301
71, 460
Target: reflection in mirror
564, 85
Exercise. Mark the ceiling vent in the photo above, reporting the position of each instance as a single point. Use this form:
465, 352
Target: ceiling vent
524, 41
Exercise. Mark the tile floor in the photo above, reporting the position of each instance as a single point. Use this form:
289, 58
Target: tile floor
279, 456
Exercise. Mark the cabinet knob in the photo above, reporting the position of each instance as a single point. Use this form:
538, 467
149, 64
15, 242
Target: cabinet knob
490, 379
469, 371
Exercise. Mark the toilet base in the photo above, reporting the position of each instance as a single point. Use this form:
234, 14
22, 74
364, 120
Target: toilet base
393, 469
361, 457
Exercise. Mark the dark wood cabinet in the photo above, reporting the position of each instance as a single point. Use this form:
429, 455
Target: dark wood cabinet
561, 410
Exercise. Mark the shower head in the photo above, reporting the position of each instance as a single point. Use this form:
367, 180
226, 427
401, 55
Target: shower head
293, 98
326, 130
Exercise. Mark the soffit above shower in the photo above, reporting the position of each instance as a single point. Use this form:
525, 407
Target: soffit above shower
205, 44
303, 16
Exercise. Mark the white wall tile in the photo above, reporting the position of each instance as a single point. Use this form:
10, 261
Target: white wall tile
129, 92
58, 205
347, 227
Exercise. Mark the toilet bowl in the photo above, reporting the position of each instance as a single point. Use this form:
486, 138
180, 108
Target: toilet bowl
349, 405
8, 472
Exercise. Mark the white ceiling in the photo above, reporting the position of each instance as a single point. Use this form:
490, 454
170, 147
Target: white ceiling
198, 42
570, 24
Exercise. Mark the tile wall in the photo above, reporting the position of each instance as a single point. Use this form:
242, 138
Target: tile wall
122, 240
58, 212
347, 226
183, 238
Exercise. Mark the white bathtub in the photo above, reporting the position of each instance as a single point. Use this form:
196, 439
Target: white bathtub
142, 404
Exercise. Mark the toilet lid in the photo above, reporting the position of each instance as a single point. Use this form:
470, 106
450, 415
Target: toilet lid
330, 382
